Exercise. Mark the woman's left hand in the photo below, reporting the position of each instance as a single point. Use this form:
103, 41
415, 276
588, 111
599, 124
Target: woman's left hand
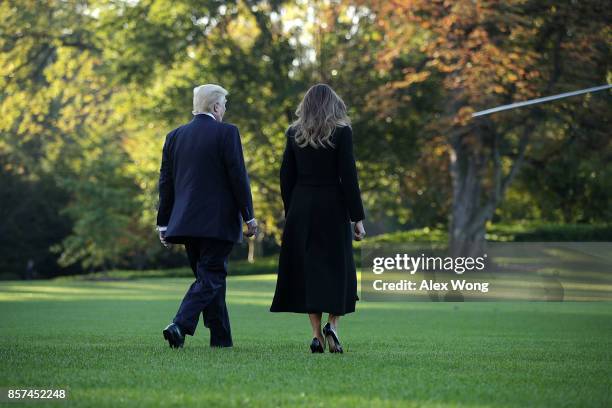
359, 231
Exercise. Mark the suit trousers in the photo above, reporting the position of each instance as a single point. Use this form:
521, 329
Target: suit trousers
208, 258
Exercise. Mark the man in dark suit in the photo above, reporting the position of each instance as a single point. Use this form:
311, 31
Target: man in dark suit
204, 196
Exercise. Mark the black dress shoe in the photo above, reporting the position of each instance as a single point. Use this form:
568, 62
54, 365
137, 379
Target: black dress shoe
173, 334
316, 346
332, 339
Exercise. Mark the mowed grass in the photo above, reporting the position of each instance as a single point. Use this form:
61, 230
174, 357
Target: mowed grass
102, 341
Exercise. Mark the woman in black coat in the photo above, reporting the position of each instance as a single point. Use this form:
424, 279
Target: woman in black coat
321, 197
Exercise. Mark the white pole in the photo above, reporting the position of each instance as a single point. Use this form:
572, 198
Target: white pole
540, 100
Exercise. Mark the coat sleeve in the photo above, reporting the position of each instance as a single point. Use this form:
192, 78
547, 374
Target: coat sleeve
233, 159
165, 184
288, 174
348, 175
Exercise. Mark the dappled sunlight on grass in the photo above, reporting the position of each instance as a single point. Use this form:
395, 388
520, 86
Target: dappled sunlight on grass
252, 294
250, 301
20, 297
255, 278
54, 290
255, 289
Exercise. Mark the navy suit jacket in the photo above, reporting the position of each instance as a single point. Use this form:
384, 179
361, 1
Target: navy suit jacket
203, 182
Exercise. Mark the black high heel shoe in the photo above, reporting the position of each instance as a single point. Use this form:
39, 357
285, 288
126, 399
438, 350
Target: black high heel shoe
316, 346
332, 339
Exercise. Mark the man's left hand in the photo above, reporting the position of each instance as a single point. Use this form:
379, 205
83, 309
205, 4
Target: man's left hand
162, 239
252, 228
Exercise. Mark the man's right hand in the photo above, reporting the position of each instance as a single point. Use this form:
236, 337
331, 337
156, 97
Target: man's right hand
251, 228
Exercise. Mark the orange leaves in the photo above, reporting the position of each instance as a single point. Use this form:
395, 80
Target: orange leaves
463, 116
410, 78
498, 89
477, 38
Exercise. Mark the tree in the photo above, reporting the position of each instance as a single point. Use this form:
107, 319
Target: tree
490, 53
90, 89
60, 125
393, 160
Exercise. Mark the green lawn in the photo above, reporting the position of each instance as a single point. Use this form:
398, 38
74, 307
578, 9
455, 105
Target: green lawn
102, 341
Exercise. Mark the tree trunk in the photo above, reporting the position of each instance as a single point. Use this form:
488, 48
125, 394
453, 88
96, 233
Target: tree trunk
467, 226
472, 205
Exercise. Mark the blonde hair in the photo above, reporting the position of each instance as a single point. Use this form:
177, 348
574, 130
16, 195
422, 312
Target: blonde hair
319, 113
205, 97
